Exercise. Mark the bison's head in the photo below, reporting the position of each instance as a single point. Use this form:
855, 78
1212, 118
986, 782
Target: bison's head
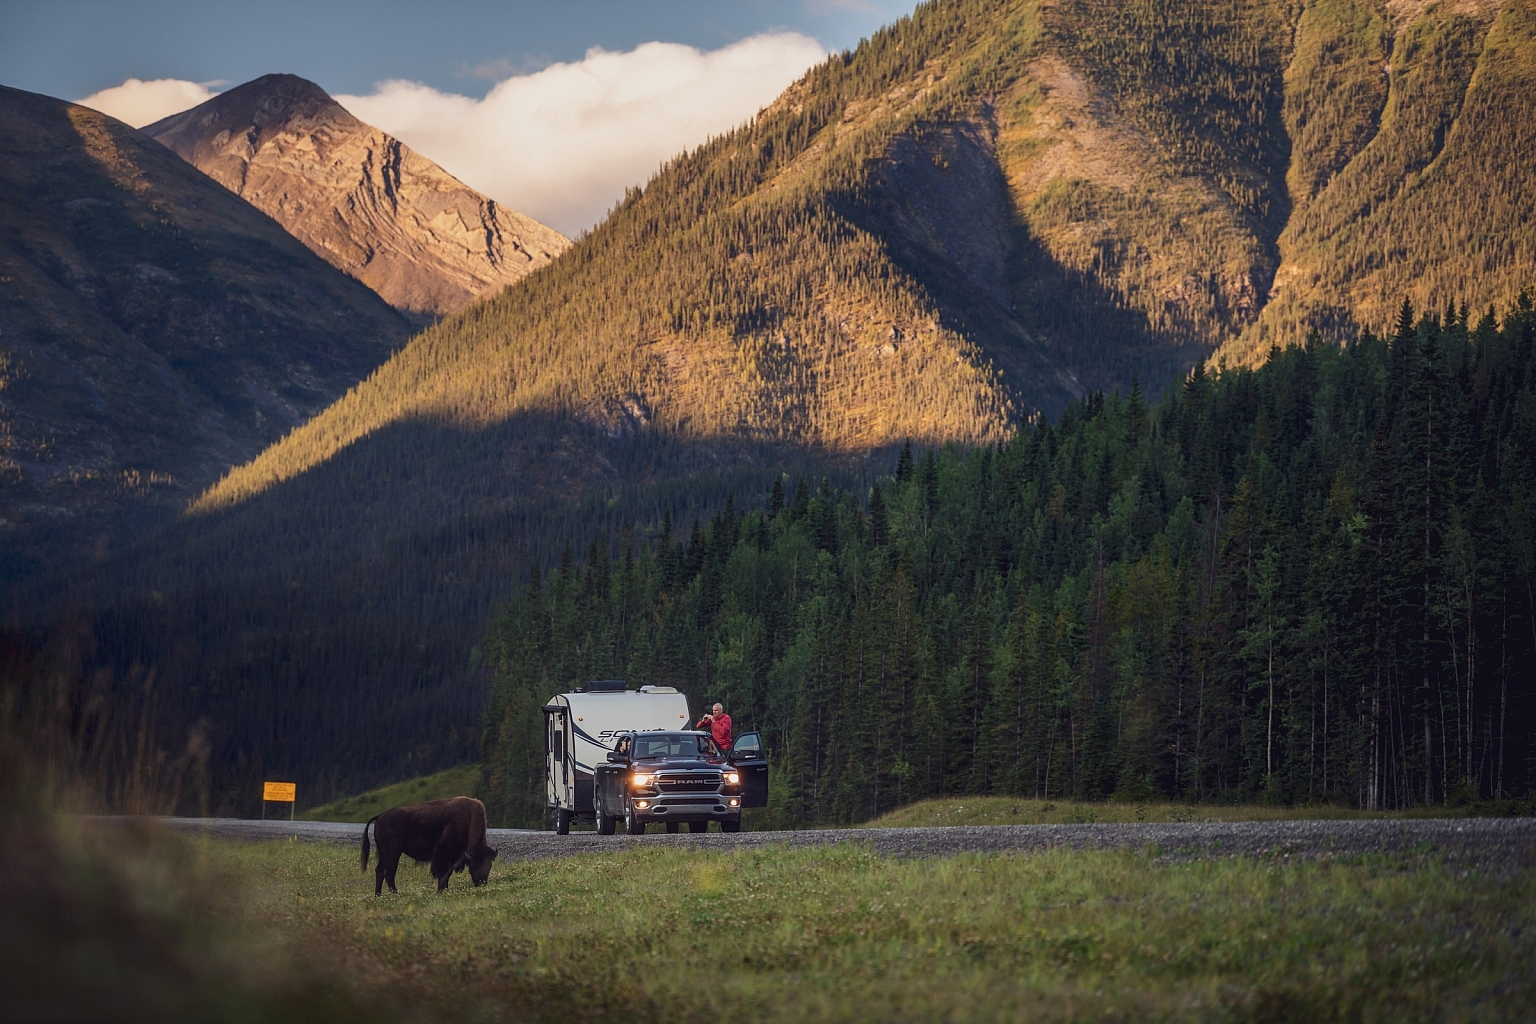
480, 864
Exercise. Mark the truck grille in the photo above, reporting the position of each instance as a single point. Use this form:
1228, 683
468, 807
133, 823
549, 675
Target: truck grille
702, 782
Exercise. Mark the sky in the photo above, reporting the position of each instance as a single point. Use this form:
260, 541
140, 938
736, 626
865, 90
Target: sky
552, 108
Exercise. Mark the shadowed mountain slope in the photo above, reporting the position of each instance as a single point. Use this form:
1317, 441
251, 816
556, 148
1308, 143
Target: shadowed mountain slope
366, 203
154, 330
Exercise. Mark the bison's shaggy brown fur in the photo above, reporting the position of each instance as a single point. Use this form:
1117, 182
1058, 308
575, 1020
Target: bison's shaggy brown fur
450, 834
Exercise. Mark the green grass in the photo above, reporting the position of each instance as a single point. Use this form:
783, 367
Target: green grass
840, 934
1008, 810
460, 781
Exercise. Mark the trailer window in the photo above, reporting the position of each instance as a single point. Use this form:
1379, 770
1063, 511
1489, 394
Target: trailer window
558, 746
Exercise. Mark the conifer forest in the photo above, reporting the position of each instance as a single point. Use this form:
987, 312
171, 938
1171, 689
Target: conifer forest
1310, 582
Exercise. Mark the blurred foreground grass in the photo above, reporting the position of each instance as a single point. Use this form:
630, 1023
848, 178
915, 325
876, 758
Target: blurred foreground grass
839, 934
1007, 810
129, 923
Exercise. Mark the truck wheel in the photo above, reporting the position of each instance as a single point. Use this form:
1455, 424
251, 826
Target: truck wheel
731, 826
672, 828
562, 822
633, 825
605, 822
698, 826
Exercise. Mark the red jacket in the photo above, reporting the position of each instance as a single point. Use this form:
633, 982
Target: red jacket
719, 728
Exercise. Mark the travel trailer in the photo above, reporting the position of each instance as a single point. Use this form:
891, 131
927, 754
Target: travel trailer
582, 731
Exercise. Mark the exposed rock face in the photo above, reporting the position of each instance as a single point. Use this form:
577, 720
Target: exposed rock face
362, 200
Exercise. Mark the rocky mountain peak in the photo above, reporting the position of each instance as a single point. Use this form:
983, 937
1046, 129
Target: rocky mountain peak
365, 202
257, 112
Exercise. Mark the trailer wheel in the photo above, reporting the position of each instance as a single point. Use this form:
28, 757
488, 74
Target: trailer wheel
562, 822
605, 822
731, 826
698, 826
633, 825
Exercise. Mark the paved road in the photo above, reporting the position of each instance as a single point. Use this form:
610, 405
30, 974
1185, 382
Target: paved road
1490, 842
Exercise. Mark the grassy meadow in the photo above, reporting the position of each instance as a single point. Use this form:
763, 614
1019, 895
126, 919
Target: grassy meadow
460, 781
837, 934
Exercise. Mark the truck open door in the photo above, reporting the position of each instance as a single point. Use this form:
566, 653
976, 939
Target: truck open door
749, 758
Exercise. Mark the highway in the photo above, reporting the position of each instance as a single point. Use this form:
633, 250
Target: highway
1505, 843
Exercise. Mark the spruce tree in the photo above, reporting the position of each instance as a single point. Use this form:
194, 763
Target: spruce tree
904, 463
879, 525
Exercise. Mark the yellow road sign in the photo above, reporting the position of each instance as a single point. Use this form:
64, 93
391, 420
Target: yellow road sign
279, 792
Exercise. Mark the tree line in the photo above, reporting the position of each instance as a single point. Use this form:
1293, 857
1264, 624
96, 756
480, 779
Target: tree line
1309, 582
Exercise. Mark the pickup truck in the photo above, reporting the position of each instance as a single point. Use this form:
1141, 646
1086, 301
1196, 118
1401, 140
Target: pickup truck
678, 776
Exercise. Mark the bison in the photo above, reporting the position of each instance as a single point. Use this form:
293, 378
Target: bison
448, 833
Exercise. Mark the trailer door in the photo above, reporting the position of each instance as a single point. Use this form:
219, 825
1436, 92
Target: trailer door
559, 773
749, 759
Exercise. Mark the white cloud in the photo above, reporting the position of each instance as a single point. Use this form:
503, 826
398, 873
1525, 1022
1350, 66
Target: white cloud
138, 103
561, 145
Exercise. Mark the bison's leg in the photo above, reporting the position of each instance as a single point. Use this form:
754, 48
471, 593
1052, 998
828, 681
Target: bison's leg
389, 865
378, 877
447, 858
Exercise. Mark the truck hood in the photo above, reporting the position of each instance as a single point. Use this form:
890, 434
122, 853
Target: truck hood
675, 764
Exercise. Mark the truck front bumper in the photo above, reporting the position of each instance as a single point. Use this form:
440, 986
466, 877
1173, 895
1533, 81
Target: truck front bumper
687, 807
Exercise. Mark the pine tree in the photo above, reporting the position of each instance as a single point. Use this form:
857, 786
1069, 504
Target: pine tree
879, 525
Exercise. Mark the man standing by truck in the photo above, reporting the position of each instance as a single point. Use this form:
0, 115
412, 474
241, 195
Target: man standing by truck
719, 725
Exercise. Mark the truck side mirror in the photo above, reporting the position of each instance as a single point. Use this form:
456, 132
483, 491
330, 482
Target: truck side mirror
614, 757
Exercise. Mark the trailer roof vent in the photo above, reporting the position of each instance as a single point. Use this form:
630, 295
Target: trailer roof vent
658, 689
606, 686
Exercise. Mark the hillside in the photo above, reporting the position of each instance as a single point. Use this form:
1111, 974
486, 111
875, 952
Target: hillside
1403, 121
363, 201
154, 331
360, 807
991, 209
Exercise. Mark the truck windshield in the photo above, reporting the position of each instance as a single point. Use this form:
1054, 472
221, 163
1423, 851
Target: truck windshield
675, 745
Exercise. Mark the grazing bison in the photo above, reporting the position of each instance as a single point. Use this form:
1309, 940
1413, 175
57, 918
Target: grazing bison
448, 833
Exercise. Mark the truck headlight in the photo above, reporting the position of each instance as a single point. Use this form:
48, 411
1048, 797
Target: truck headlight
732, 778
639, 781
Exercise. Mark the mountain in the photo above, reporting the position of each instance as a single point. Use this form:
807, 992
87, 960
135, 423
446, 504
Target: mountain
992, 207
363, 201
989, 210
154, 331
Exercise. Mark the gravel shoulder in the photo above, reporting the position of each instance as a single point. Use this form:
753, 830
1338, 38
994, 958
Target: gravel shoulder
1504, 843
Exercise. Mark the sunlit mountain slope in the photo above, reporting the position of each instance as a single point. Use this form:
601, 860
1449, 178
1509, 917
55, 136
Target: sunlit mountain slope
1410, 123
